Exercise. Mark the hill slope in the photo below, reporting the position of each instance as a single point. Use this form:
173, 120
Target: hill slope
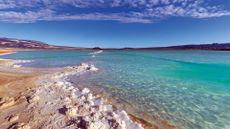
31, 44
28, 44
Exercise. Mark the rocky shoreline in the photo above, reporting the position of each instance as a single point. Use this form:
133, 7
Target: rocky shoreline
78, 108
56, 103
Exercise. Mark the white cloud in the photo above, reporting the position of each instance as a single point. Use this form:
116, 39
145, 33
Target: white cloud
143, 11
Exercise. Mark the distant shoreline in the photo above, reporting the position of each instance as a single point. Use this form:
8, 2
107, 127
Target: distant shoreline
30, 45
6, 52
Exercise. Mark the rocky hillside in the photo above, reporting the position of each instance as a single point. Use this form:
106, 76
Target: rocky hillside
214, 46
27, 44
31, 44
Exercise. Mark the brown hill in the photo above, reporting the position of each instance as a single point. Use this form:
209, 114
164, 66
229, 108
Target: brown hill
29, 44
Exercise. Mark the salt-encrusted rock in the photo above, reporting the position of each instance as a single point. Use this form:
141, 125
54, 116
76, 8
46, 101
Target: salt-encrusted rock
91, 103
56, 76
86, 118
125, 122
6, 102
13, 118
63, 87
33, 99
71, 112
89, 96
16, 66
82, 98
122, 124
123, 115
104, 108
101, 108
73, 95
23, 61
74, 90
60, 83
68, 84
109, 108
99, 102
67, 100
93, 68
26, 126
98, 125
85, 91
20, 126
84, 65
82, 110
70, 87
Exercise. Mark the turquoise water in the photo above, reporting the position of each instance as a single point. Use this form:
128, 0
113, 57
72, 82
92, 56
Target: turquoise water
191, 89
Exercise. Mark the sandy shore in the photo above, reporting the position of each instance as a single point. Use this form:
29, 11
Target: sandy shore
14, 87
6, 61
6, 51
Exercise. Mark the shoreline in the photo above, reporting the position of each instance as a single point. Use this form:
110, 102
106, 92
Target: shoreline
146, 120
33, 103
66, 71
6, 52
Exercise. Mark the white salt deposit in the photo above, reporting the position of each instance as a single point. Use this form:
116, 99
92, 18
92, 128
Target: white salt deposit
72, 108
85, 91
16, 66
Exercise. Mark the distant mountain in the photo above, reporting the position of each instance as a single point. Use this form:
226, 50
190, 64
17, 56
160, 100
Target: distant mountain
28, 44
214, 46
31, 44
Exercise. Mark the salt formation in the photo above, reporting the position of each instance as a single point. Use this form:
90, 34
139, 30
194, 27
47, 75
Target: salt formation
13, 118
74, 108
6, 102
20, 126
33, 98
16, 66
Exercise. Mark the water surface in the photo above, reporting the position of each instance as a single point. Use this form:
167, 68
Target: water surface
191, 89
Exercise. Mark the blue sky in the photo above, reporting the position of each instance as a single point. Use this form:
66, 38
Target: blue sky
116, 23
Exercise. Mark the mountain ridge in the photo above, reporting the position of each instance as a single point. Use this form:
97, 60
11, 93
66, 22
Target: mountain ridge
32, 44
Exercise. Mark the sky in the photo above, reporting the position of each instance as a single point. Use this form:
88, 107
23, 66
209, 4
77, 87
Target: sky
116, 23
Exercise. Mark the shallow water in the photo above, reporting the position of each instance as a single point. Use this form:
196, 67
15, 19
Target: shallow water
191, 89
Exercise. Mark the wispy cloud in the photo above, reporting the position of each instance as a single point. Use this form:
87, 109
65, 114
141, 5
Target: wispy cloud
140, 11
